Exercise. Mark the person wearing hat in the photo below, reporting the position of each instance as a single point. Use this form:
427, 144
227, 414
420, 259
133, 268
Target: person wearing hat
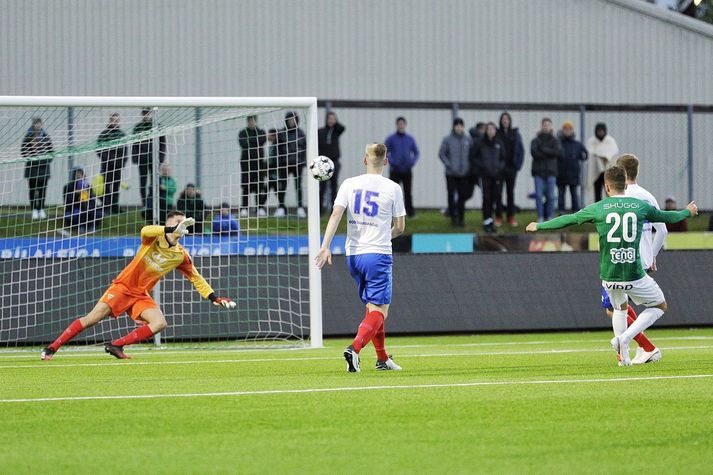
37, 149
292, 160
569, 168
454, 153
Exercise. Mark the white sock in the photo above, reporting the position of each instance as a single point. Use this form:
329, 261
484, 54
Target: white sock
643, 321
618, 322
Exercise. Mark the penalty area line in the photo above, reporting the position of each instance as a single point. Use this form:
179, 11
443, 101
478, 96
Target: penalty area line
358, 388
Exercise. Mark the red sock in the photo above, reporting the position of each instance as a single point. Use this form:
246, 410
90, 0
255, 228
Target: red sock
140, 334
640, 339
378, 342
72, 330
368, 328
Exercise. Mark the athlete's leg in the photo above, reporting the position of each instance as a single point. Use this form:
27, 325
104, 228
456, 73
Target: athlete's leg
155, 322
640, 339
97, 314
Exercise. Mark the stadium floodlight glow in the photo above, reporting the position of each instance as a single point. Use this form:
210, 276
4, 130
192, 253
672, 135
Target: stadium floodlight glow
57, 264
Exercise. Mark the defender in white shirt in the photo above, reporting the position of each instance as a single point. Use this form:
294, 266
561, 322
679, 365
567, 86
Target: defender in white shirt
649, 247
375, 215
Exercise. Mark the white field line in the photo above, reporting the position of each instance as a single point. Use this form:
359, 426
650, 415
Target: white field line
80, 353
127, 364
361, 388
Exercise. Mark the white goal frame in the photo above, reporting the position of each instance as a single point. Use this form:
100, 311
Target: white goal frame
313, 208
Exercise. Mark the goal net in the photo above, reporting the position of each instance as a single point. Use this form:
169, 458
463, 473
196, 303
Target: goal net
80, 177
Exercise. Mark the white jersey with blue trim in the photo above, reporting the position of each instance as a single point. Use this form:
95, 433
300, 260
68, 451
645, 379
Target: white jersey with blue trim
371, 201
648, 249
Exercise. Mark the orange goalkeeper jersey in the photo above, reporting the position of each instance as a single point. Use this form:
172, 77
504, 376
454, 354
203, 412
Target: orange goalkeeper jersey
156, 258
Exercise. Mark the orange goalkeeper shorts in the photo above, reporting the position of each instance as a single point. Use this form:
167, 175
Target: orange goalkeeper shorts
120, 300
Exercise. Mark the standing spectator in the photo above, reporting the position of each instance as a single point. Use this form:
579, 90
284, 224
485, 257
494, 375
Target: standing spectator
487, 157
224, 223
80, 204
681, 226
252, 139
454, 153
602, 148
36, 145
328, 140
514, 153
142, 152
477, 131
545, 150
112, 160
569, 167
274, 173
292, 154
166, 191
402, 156
191, 204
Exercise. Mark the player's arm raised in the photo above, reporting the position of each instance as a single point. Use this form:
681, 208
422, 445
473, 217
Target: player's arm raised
657, 215
324, 256
202, 286
585, 215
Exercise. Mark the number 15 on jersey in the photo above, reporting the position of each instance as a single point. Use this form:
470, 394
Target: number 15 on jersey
363, 202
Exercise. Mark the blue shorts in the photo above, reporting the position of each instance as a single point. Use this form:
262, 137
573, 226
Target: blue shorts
372, 273
605, 300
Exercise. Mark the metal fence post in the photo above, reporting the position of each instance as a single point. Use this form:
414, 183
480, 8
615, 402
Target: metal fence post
199, 148
70, 137
455, 111
690, 152
584, 175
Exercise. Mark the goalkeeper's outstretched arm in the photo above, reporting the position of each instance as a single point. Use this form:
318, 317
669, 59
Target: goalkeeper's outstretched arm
324, 256
202, 286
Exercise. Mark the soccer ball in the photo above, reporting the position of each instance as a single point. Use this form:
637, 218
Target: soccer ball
321, 168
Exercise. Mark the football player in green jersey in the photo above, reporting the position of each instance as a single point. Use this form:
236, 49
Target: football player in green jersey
619, 220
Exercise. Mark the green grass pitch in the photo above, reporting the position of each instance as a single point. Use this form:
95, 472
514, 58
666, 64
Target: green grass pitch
525, 403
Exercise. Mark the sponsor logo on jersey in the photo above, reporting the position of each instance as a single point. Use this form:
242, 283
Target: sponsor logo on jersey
623, 256
612, 286
621, 205
110, 296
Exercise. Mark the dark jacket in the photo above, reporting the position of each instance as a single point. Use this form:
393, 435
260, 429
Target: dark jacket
487, 157
569, 166
328, 141
402, 152
117, 153
193, 207
454, 153
80, 204
292, 146
142, 152
514, 149
251, 142
34, 145
225, 225
545, 150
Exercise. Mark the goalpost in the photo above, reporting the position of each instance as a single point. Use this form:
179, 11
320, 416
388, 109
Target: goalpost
80, 176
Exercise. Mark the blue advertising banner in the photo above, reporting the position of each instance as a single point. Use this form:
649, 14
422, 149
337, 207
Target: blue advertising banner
439, 243
96, 246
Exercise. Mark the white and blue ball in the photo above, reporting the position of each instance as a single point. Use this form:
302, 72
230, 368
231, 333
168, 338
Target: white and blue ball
321, 168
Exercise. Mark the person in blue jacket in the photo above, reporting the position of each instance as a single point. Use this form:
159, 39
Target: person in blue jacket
402, 154
569, 167
224, 223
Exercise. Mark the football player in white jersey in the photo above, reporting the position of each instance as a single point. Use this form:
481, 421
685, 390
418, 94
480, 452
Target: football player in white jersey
375, 215
649, 247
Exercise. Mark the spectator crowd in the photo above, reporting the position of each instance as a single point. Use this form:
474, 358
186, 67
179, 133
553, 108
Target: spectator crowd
488, 156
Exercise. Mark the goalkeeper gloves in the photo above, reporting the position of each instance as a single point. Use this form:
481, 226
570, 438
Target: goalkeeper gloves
222, 301
182, 228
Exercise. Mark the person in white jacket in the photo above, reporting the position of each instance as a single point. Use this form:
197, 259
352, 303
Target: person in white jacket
602, 149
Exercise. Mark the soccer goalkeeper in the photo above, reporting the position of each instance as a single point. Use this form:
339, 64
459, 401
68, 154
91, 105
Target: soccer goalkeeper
159, 254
